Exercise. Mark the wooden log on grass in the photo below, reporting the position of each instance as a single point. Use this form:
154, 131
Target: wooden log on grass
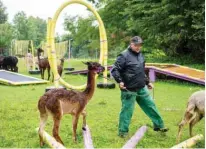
136, 138
87, 138
190, 142
51, 141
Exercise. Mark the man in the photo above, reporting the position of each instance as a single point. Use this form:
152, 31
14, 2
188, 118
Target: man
29, 60
128, 71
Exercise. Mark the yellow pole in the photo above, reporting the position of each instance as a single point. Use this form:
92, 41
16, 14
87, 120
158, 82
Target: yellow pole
103, 41
51, 53
32, 50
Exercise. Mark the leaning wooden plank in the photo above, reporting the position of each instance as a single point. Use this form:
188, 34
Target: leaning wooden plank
51, 141
190, 142
136, 138
87, 138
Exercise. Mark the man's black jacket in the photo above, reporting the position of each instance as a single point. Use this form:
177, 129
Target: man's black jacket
129, 68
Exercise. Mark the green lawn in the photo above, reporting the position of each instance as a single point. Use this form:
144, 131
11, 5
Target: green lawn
19, 115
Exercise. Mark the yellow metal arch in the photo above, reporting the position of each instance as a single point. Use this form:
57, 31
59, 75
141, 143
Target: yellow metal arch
51, 45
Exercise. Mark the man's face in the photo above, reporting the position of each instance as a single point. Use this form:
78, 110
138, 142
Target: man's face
135, 47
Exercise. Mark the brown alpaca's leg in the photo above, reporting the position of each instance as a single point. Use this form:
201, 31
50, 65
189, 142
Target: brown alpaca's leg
75, 122
52, 77
48, 73
57, 119
41, 71
60, 73
84, 114
43, 119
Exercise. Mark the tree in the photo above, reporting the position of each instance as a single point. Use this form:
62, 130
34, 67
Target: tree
115, 20
3, 14
29, 28
85, 35
5, 29
21, 26
176, 26
6, 34
37, 29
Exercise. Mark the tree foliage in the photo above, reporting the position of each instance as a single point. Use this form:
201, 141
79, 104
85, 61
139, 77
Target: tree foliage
3, 14
37, 29
6, 29
21, 26
6, 34
175, 26
29, 28
84, 33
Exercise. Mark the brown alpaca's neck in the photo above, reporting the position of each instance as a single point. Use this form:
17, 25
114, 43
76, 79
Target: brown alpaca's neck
62, 64
89, 91
38, 56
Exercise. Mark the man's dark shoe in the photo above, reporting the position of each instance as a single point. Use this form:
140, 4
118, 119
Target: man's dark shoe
161, 129
123, 135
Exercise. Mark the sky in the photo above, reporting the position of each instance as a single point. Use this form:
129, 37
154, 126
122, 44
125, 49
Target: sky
44, 9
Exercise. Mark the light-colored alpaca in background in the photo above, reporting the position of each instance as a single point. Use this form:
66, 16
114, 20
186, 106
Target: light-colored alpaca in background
194, 113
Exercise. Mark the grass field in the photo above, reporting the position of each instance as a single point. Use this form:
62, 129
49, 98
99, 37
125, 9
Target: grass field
19, 115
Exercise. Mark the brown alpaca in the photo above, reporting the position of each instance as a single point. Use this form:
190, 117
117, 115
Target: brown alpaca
43, 64
194, 113
58, 102
60, 67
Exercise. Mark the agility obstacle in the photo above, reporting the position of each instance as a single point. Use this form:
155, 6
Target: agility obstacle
190, 142
176, 71
11, 78
135, 138
51, 45
51, 141
88, 144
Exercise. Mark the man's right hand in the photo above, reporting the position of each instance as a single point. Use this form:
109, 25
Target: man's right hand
121, 85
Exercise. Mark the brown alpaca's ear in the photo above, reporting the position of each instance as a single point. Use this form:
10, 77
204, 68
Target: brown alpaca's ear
86, 63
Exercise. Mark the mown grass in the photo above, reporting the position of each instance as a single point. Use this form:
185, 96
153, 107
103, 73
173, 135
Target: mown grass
19, 115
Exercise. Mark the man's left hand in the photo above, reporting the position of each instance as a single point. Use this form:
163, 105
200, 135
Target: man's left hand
150, 86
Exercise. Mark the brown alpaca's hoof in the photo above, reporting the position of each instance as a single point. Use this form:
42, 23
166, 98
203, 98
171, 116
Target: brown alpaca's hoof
74, 139
42, 144
60, 141
84, 128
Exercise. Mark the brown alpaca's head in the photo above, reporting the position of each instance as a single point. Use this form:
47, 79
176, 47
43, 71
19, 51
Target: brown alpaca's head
62, 60
39, 50
95, 67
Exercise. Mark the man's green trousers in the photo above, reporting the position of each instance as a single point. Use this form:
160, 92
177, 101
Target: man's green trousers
145, 101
